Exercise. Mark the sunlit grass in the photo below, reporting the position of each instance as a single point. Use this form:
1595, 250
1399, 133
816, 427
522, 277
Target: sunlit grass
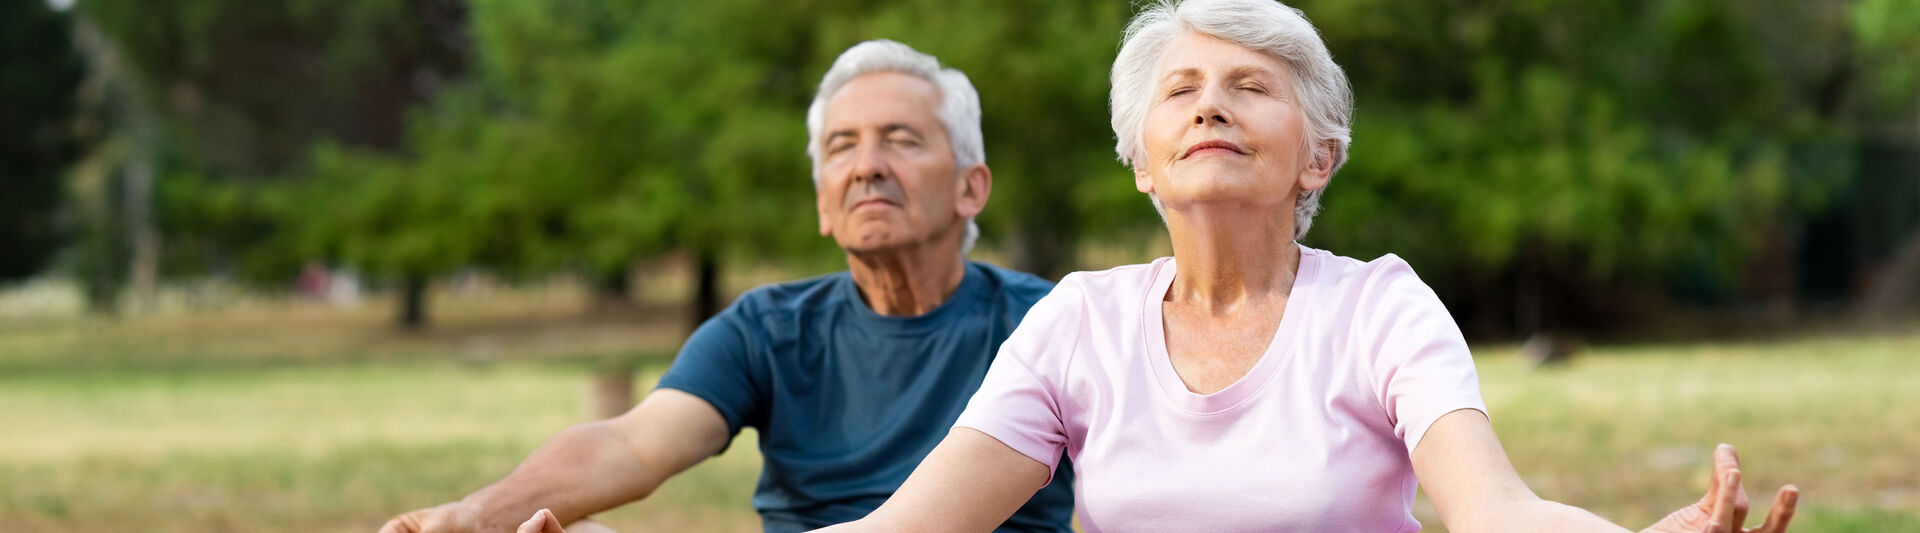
301, 448
1628, 431
291, 417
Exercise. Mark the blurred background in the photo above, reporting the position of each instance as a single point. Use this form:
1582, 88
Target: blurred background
303, 265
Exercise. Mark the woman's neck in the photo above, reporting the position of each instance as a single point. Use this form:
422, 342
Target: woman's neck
1232, 256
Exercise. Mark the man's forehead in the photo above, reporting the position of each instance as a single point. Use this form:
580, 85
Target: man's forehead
881, 98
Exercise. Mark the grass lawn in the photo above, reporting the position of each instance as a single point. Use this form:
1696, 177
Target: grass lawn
295, 419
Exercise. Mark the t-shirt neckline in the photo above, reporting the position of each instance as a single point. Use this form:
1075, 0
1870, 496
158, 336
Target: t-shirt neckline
970, 287
1256, 379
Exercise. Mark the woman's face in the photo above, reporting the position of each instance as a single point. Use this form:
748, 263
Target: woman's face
1225, 127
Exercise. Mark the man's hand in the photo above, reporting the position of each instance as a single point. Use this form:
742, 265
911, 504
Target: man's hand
667, 433
543, 521
456, 517
1724, 508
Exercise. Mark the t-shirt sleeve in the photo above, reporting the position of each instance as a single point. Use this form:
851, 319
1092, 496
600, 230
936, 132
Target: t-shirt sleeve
1422, 368
716, 365
1019, 401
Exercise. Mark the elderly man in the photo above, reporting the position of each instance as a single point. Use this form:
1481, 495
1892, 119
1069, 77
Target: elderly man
849, 378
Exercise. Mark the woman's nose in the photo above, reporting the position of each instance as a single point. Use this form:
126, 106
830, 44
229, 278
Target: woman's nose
1210, 107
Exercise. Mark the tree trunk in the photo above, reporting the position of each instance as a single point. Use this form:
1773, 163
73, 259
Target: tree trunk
143, 268
609, 392
706, 294
1045, 250
413, 302
613, 291
1894, 287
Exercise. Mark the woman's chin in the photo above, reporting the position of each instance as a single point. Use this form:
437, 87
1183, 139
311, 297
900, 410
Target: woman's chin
1225, 197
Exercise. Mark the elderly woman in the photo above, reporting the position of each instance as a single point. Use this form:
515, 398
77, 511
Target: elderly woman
1247, 383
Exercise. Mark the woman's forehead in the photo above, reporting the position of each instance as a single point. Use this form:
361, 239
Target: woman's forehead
1197, 55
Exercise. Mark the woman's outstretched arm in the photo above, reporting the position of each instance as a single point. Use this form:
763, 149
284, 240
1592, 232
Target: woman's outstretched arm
1473, 486
970, 482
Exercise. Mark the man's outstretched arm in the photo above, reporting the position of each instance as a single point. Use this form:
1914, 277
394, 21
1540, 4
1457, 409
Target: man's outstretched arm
587, 468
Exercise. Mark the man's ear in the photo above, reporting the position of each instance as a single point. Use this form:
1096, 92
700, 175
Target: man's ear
971, 191
820, 206
1319, 171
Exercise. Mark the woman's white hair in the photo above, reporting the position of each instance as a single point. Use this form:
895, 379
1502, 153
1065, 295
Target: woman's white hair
1266, 26
959, 103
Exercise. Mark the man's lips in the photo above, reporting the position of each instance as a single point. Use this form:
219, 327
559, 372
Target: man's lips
1212, 145
873, 202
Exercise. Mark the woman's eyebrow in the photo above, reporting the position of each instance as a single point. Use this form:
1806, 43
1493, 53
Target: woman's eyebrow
1249, 72
1181, 74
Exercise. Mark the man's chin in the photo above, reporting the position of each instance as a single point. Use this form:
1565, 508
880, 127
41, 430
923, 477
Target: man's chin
871, 242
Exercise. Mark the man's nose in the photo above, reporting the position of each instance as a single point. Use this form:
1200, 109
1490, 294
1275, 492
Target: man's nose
870, 163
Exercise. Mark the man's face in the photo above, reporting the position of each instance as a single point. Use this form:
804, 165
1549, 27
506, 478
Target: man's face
887, 171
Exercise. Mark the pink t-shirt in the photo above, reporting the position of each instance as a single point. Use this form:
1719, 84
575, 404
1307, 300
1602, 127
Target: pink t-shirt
1315, 437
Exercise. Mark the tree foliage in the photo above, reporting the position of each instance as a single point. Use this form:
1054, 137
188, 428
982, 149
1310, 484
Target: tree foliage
38, 71
1610, 144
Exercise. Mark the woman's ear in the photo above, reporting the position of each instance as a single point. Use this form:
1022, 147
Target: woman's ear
1142, 180
1319, 170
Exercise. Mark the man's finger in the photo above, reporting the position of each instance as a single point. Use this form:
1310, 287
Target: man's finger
552, 524
1782, 512
532, 525
543, 521
396, 526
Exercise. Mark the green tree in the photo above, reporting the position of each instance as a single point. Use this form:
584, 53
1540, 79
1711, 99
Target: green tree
238, 93
1538, 159
39, 74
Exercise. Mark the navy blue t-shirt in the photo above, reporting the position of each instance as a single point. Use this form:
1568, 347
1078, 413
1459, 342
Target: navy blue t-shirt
847, 401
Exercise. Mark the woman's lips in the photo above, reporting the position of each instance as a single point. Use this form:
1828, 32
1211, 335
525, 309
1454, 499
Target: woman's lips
1212, 147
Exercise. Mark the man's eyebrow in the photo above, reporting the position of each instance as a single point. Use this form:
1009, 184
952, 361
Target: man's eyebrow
837, 134
897, 126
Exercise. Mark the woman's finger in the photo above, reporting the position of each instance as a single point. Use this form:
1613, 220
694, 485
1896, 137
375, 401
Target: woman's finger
1740, 507
1723, 505
1723, 461
1782, 512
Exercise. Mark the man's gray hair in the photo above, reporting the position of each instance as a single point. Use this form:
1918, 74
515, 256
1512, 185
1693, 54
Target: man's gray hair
1266, 26
959, 103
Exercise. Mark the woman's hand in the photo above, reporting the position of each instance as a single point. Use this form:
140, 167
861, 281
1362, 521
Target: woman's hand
1724, 508
542, 522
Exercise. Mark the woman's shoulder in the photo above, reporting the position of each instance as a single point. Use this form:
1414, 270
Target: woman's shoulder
1378, 291
1125, 279
1347, 272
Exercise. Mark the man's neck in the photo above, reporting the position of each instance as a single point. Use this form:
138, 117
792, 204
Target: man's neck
908, 281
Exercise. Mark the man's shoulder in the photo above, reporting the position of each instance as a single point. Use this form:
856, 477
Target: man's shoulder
1015, 285
790, 296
